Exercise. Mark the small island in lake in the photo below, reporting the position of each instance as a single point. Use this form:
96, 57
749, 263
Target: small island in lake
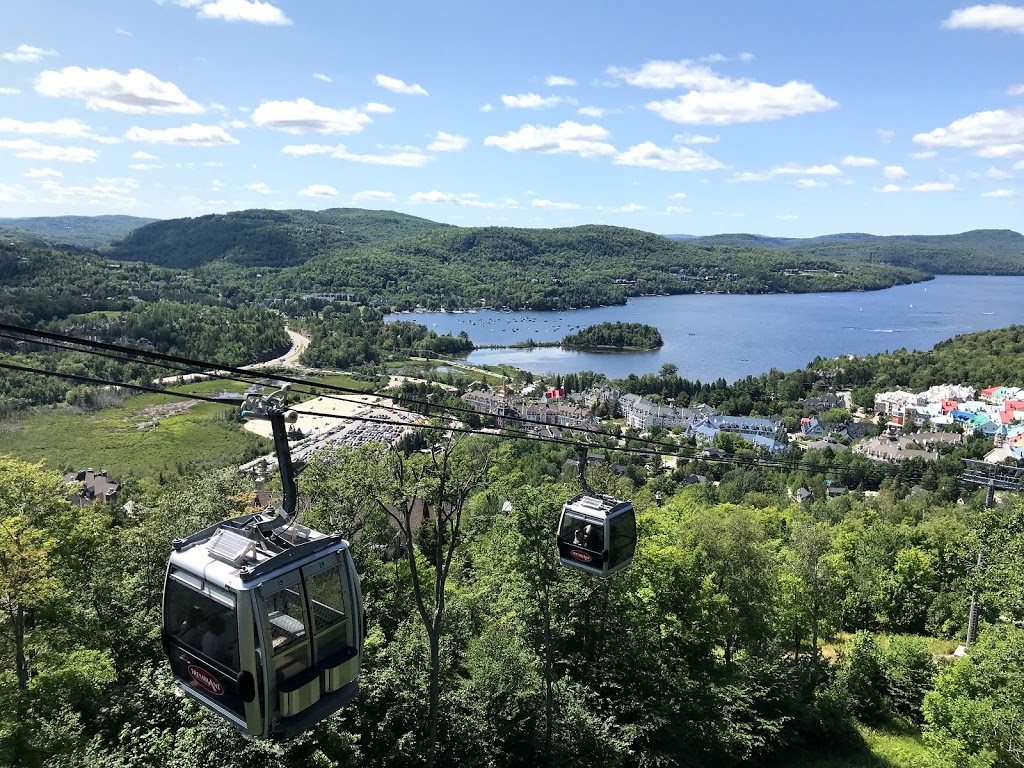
627, 337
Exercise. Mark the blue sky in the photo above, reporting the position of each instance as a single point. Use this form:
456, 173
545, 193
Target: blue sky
795, 118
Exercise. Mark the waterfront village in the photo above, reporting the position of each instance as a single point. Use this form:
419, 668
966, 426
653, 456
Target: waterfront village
904, 425
914, 424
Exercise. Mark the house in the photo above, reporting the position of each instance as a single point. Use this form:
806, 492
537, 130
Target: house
802, 494
834, 491
821, 403
97, 487
641, 413
692, 480
812, 427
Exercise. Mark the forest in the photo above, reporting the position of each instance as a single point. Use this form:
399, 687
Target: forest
79, 231
752, 631
615, 336
978, 252
348, 336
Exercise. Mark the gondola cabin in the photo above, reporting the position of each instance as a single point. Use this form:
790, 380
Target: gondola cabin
263, 623
597, 534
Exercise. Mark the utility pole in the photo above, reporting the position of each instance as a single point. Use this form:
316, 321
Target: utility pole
991, 477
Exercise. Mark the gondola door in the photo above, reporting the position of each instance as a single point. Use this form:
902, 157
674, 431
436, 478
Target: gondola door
201, 639
294, 679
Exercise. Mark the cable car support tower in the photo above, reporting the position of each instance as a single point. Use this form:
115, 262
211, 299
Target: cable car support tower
991, 477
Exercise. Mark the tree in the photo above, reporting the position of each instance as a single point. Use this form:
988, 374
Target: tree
435, 489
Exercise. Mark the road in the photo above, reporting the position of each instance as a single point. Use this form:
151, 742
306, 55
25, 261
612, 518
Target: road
289, 359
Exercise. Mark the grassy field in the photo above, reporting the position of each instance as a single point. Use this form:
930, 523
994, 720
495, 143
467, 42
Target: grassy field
146, 435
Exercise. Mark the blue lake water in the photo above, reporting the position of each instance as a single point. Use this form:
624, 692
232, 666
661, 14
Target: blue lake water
713, 336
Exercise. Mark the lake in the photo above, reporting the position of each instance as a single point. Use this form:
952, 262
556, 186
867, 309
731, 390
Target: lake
727, 336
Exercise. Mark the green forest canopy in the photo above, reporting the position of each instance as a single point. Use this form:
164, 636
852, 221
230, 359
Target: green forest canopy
616, 336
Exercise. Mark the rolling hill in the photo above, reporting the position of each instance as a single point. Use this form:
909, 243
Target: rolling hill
79, 231
980, 251
264, 238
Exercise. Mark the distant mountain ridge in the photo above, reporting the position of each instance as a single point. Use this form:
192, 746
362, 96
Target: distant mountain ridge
264, 238
979, 251
79, 231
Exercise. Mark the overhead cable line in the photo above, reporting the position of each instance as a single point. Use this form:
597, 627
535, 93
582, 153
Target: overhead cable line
729, 459
203, 368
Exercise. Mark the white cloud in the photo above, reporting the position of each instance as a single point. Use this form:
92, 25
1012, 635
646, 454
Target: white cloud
318, 190
675, 210
9, 91
1019, 165
714, 58
556, 80
395, 85
1000, 193
67, 127
370, 195
631, 208
31, 149
650, 155
895, 172
530, 101
858, 162
10, 193
809, 184
470, 199
998, 174
260, 187
592, 111
584, 140
194, 135
125, 32
43, 173
487, 108
136, 92
143, 166
996, 16
375, 107
322, 77
447, 142
750, 176
889, 188
885, 135
116, 193
695, 138
140, 155
715, 99
746, 56
407, 159
677, 196
935, 186
1002, 150
1015, 90
792, 169
548, 204
302, 115
244, 10
27, 53
996, 133
928, 154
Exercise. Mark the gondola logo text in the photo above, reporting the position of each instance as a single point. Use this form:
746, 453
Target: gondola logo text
583, 557
205, 680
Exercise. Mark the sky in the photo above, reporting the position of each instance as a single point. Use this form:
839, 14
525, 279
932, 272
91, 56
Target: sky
791, 119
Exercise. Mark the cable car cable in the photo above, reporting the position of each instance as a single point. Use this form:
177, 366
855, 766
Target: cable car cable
733, 460
677, 451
